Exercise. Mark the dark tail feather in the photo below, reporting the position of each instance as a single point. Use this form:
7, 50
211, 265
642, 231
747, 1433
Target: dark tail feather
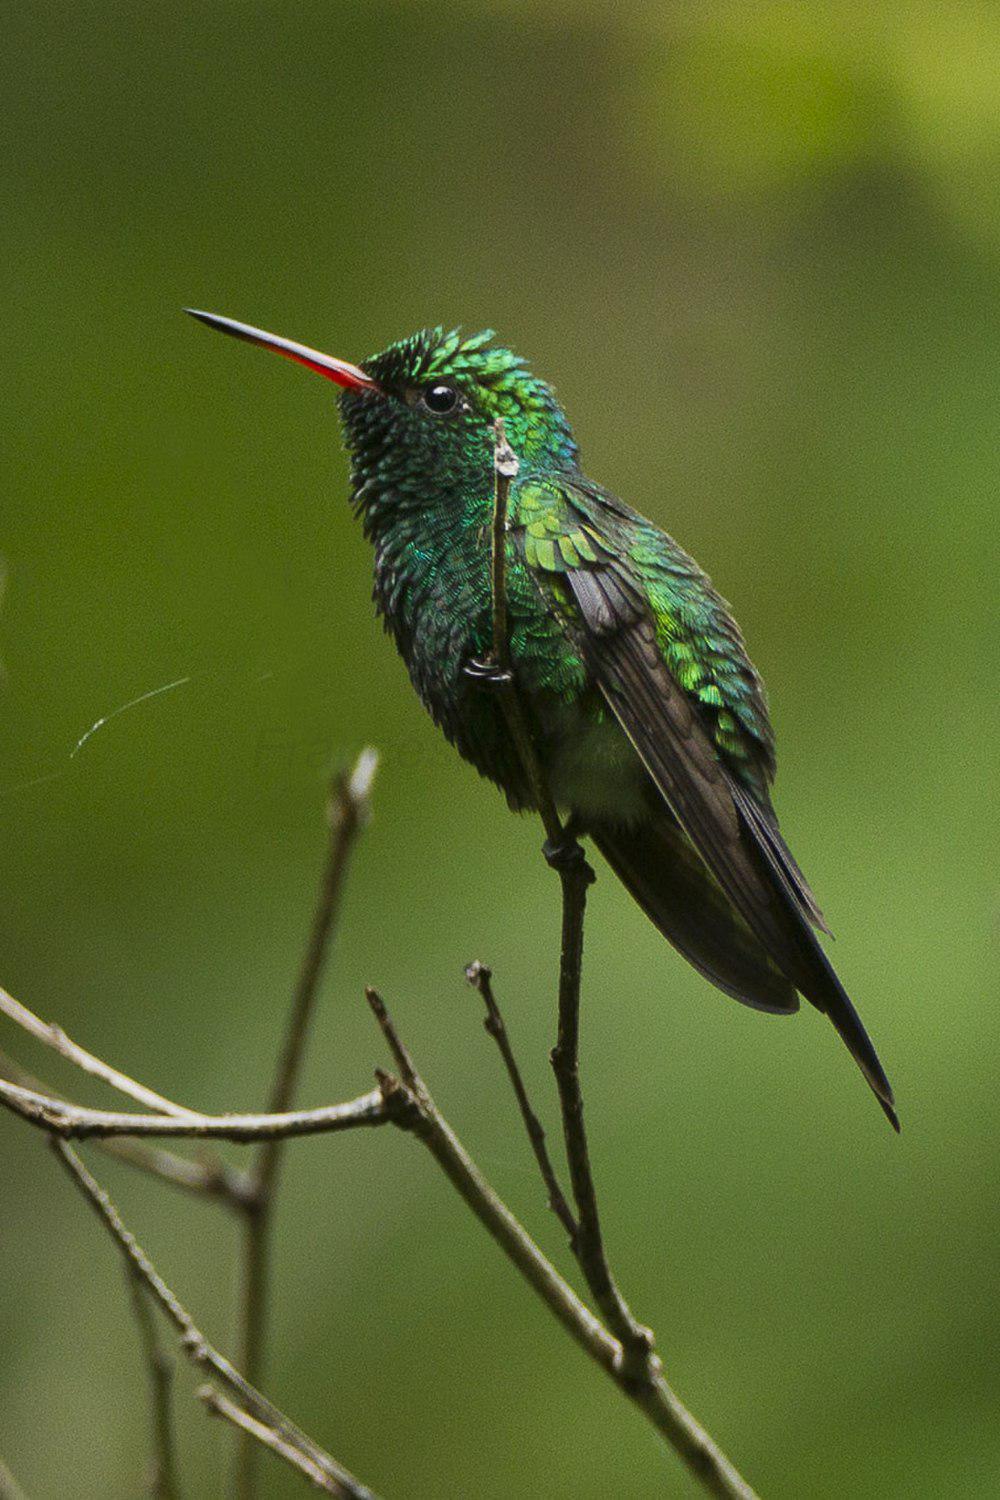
659, 868
848, 1025
819, 983
807, 964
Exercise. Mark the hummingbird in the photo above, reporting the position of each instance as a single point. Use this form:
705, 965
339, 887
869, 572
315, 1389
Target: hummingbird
648, 718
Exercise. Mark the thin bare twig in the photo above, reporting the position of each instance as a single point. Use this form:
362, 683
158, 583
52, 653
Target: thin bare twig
53, 1036
505, 468
400, 1052
495, 673
348, 813
192, 1341
412, 1109
73, 1122
212, 1178
163, 1475
576, 875
207, 1178
481, 979
259, 1433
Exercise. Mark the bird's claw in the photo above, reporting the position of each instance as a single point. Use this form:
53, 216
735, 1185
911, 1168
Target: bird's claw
487, 675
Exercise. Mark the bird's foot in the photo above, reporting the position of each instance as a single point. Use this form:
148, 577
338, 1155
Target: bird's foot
487, 676
566, 855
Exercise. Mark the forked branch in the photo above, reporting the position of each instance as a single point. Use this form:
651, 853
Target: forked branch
405, 1101
639, 1366
414, 1110
481, 979
565, 854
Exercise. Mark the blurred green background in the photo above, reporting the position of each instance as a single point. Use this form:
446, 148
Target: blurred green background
757, 249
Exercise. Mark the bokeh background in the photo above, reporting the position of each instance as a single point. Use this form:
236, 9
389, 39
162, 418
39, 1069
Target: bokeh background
757, 248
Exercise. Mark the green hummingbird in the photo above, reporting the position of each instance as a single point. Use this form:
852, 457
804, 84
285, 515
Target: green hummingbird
648, 717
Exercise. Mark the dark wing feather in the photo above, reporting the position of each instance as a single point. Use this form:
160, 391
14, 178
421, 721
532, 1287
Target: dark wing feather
658, 865
734, 836
764, 826
660, 721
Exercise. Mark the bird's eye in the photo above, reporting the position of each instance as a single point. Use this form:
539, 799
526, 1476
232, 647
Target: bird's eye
440, 399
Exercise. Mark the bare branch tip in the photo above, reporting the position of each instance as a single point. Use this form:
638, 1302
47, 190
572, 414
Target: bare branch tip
377, 1005
396, 1045
362, 777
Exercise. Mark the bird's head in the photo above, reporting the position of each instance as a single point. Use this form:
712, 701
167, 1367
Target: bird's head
419, 417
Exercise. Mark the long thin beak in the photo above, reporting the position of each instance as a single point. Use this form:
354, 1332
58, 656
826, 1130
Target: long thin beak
338, 370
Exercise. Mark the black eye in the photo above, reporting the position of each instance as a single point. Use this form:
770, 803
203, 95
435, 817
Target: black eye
440, 399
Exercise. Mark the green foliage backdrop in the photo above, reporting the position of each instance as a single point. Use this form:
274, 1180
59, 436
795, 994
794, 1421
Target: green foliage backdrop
757, 249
